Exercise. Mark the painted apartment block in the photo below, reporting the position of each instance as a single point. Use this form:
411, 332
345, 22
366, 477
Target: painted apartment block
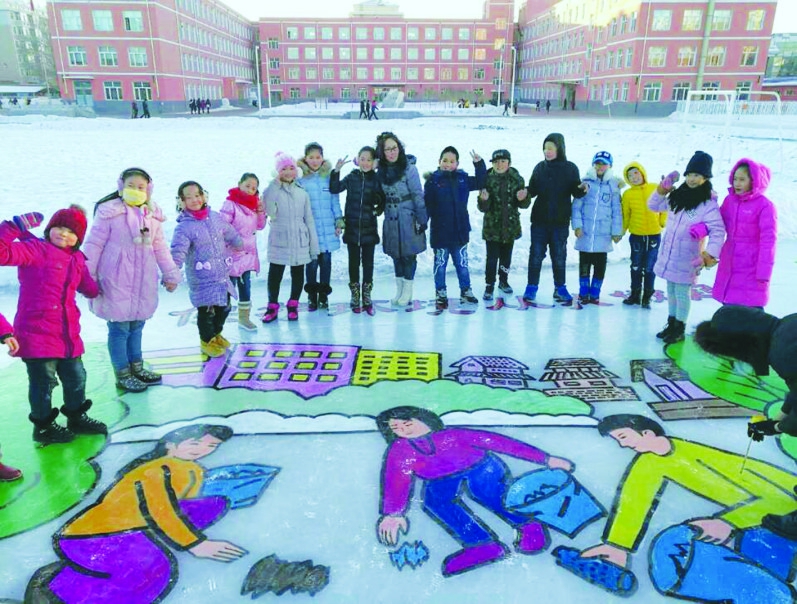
109, 54
375, 50
641, 56
25, 54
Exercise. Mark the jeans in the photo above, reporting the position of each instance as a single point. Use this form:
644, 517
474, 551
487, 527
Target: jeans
124, 343
42, 380
499, 256
587, 260
551, 238
405, 266
275, 272
644, 252
459, 255
356, 252
323, 262
244, 285
211, 319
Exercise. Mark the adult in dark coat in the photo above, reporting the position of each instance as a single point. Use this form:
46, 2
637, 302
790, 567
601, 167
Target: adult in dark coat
134, 110
363, 109
207, 105
145, 108
192, 106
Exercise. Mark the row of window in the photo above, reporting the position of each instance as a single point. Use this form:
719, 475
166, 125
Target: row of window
200, 64
108, 57
409, 93
692, 20
203, 37
202, 10
361, 53
651, 93
687, 56
379, 73
396, 34
112, 90
71, 20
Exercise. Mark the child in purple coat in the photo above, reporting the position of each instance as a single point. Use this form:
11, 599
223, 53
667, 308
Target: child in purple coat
200, 241
451, 461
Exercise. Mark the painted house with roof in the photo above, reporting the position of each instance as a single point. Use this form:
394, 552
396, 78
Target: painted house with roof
585, 379
493, 371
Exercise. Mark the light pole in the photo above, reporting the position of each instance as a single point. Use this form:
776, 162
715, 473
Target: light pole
257, 76
514, 64
500, 78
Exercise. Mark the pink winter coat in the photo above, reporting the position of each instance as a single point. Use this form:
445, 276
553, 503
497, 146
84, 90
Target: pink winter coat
47, 323
747, 258
5, 327
124, 258
246, 223
679, 251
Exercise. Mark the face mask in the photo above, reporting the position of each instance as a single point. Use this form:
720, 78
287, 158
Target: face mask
134, 197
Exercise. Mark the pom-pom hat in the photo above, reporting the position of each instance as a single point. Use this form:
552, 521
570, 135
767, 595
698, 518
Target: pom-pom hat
72, 218
283, 160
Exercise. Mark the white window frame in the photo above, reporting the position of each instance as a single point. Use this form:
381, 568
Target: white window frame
135, 54
132, 20
71, 20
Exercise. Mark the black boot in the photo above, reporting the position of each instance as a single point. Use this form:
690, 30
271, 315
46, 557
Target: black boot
355, 296
633, 299
366, 295
785, 526
312, 296
646, 296
47, 432
666, 331
677, 334
145, 375
488, 292
80, 423
323, 295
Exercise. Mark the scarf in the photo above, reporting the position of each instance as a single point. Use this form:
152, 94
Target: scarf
200, 214
250, 202
391, 173
686, 198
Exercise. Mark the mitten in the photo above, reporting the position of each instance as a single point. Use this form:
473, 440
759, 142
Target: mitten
28, 221
670, 179
698, 230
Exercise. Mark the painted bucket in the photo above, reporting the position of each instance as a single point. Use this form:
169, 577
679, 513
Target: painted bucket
242, 484
555, 498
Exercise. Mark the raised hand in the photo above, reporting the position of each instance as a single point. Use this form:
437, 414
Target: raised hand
28, 221
475, 156
341, 162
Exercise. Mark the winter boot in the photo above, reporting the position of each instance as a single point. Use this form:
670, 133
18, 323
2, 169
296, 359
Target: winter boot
9, 474
466, 296
583, 289
355, 295
222, 341
47, 432
633, 298
79, 423
505, 288
785, 526
441, 298
666, 331
488, 292
323, 297
125, 380
595, 290
293, 309
406, 293
646, 299
472, 557
532, 538
272, 310
677, 334
562, 295
530, 295
312, 296
244, 309
368, 304
145, 375
399, 291
212, 349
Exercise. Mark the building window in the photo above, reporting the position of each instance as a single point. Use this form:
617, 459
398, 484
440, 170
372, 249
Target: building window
479, 54
412, 54
711, 86
142, 91
379, 73
613, 28
71, 21
593, 93
687, 56
446, 73
478, 73
293, 73
447, 33
446, 54
379, 54
464, 34
309, 33
395, 73
481, 33
429, 54
295, 93
428, 73
103, 20
344, 33
275, 80
345, 73
499, 43
77, 56
344, 54
395, 54
652, 92
345, 93
463, 54
693, 20
624, 93
326, 33
429, 33
462, 73
362, 73
132, 20
755, 20
662, 20
310, 53
395, 34
361, 33
619, 61
716, 57
632, 26
623, 24
112, 90
379, 33
411, 94
310, 73
412, 33
292, 33
327, 53
610, 60
274, 63
749, 56
412, 73
362, 53
743, 89
680, 91
137, 55
273, 43
629, 58
292, 53
721, 20
108, 56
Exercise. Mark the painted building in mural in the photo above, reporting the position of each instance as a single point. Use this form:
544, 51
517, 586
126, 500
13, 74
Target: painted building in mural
109, 54
374, 50
642, 57
25, 55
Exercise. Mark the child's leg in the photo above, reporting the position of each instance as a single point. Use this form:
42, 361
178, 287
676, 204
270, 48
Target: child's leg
459, 256
683, 296
398, 267
325, 267
275, 272
41, 381
118, 336
368, 263
584, 266
410, 265
491, 264
244, 286
505, 259
220, 314
311, 270
672, 302
134, 342
297, 281
440, 265
205, 323
649, 261
73, 382
558, 243
354, 263
638, 252
599, 261
539, 245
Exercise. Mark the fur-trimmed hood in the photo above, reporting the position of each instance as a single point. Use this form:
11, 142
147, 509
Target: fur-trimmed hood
324, 170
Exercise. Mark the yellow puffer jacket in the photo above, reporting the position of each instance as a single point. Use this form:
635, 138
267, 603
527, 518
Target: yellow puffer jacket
637, 218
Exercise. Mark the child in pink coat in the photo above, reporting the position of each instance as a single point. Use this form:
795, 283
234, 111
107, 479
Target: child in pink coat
751, 222
7, 473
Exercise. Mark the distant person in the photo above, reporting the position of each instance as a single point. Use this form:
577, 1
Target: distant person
573, 104
1, 103
538, 107
372, 115
14, 101
548, 106
363, 110
506, 108
207, 106
514, 107
145, 109
133, 110
27, 102
192, 106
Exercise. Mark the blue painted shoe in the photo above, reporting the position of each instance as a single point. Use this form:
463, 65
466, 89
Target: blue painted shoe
595, 290
530, 295
562, 295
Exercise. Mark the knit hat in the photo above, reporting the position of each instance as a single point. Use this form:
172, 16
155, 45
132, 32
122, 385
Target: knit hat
501, 154
283, 160
603, 157
701, 163
73, 218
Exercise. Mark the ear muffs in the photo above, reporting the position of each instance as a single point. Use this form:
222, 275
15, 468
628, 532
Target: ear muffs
120, 183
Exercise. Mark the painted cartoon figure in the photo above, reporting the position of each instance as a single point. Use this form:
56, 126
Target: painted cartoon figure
117, 550
449, 460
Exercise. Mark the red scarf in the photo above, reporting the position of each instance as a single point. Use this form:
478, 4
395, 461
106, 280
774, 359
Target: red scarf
201, 213
250, 202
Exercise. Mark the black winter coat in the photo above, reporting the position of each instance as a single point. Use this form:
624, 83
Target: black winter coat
554, 183
364, 202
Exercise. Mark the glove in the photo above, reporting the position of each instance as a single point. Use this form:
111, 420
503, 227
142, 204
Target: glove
28, 221
698, 230
670, 180
758, 430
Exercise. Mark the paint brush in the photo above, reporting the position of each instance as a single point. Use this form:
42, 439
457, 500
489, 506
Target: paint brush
753, 420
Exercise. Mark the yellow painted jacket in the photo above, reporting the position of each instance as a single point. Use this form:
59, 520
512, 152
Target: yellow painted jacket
637, 218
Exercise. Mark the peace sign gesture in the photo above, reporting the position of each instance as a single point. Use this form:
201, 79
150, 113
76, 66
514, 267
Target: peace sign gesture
475, 156
341, 162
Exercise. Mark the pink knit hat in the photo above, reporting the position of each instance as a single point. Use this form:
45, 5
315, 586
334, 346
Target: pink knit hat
283, 160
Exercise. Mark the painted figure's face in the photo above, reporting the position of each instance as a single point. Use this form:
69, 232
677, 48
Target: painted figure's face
288, 173
391, 150
742, 183
549, 150
249, 186
641, 442
365, 161
409, 428
600, 168
193, 448
500, 166
63, 237
448, 162
694, 180
193, 198
314, 159
635, 177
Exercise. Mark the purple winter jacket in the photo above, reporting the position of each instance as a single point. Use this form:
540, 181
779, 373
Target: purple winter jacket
202, 246
746, 260
47, 323
246, 223
679, 251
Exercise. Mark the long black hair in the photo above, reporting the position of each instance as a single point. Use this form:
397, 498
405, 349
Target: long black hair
737, 345
430, 418
390, 173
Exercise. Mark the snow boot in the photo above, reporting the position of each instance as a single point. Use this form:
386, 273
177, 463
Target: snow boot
646, 299
530, 295
272, 310
562, 295
212, 349
472, 557
595, 290
79, 423
355, 295
221, 341
466, 296
143, 374
633, 298
368, 304
583, 289
9, 474
666, 331
406, 293
323, 297
293, 309
399, 291
488, 292
47, 432
441, 298
785, 526
312, 296
677, 334
532, 538
244, 310
505, 288
125, 380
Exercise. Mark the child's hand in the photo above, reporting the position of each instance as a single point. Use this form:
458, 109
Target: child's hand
667, 183
484, 195
584, 186
338, 231
28, 221
475, 157
341, 162
170, 287
616, 238
559, 463
13, 345
522, 194
708, 259
579, 232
